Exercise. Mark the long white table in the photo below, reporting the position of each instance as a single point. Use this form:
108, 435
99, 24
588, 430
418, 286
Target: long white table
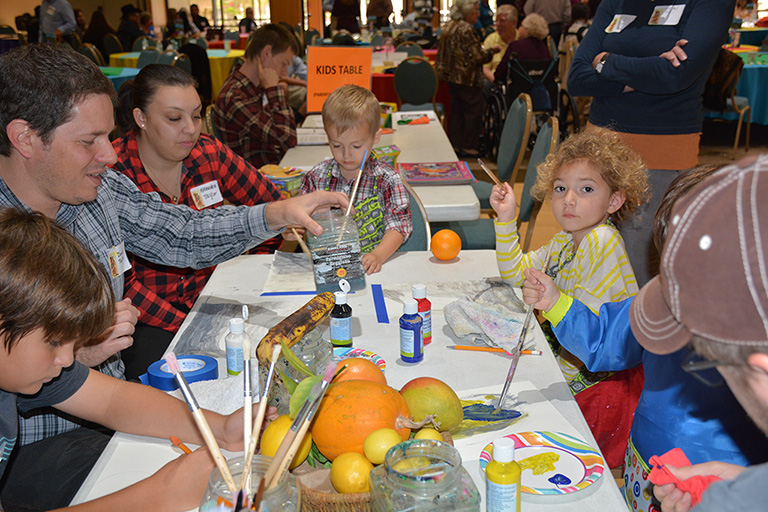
419, 143
130, 458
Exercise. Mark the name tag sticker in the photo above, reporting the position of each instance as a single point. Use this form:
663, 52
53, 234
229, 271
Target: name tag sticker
206, 195
666, 15
619, 23
118, 260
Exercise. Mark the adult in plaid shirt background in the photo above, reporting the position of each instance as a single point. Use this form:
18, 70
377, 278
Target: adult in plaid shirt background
56, 114
252, 112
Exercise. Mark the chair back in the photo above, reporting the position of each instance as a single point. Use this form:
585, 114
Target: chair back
200, 68
208, 120
421, 234
168, 57
343, 39
377, 40
416, 81
546, 143
92, 53
565, 61
721, 84
148, 56
411, 48
232, 35
514, 138
112, 44
200, 41
7, 30
138, 44
538, 78
309, 36
75, 41
182, 62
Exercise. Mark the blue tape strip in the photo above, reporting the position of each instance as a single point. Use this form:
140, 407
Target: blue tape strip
379, 304
277, 294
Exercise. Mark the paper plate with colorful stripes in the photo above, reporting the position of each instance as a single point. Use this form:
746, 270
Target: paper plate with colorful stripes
552, 462
340, 353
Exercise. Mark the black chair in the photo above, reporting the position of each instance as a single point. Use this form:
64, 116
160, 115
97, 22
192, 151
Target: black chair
148, 56
200, 68
143, 43
7, 30
112, 45
92, 53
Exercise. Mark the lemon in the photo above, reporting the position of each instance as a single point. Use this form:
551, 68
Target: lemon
410, 464
378, 443
428, 433
274, 434
350, 472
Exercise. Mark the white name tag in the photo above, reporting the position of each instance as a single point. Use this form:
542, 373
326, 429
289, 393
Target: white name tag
206, 195
667, 15
118, 260
619, 23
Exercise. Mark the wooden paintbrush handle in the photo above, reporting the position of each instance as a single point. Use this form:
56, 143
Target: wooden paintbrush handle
288, 457
213, 447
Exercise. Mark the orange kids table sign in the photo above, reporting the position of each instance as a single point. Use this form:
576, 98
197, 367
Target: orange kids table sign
331, 67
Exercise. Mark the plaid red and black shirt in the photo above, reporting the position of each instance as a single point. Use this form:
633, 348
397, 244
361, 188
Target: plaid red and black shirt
378, 175
257, 123
164, 294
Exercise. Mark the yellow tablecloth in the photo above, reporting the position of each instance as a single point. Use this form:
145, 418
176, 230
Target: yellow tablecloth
220, 61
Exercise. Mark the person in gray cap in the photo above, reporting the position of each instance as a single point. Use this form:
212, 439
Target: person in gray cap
712, 294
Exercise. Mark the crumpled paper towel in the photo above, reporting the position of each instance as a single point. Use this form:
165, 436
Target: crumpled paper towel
223, 396
495, 325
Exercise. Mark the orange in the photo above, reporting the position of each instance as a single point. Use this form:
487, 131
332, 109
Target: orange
445, 244
359, 369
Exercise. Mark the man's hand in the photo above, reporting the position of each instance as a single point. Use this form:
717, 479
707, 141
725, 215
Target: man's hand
116, 338
268, 77
540, 290
297, 211
676, 55
674, 500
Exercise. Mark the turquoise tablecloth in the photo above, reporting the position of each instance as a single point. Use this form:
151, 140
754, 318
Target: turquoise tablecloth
754, 36
753, 84
118, 76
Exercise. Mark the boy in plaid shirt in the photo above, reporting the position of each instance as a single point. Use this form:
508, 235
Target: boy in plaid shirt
351, 117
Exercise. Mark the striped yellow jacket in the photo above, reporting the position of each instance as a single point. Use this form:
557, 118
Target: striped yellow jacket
599, 272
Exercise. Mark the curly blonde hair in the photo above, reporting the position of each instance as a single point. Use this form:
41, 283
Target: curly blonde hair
620, 167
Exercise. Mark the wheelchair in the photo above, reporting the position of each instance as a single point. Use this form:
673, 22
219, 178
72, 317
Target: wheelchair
539, 79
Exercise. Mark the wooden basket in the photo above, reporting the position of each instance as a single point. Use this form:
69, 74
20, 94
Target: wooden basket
317, 501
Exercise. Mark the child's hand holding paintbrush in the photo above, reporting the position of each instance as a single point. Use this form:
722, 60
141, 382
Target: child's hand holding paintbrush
503, 203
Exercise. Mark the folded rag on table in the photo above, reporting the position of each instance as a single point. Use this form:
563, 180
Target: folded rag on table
494, 324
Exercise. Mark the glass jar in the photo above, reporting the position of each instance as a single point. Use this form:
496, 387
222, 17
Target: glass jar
423, 475
284, 497
336, 253
313, 351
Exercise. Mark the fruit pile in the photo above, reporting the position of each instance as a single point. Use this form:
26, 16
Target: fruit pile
360, 418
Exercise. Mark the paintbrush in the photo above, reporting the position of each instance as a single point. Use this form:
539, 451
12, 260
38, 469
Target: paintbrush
352, 197
492, 349
259, 495
290, 444
490, 174
251, 449
520, 341
177, 442
302, 243
202, 423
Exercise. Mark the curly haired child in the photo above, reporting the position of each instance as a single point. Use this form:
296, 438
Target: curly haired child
592, 180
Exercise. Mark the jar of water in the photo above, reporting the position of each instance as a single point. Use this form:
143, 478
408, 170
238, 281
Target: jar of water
423, 475
284, 497
336, 253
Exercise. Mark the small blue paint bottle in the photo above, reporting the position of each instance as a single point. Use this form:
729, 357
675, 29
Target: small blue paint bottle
411, 342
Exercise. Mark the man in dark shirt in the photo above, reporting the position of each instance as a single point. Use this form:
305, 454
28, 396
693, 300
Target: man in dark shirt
247, 24
201, 22
129, 29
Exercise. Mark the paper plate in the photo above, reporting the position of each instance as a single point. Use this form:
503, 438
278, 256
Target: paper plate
340, 353
578, 465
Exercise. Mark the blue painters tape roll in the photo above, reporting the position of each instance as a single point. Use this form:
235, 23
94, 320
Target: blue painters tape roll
195, 368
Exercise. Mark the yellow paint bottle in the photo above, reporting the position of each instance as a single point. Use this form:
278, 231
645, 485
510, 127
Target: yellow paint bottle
502, 478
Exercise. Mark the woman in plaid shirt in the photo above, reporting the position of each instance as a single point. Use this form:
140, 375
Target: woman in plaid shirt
164, 152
